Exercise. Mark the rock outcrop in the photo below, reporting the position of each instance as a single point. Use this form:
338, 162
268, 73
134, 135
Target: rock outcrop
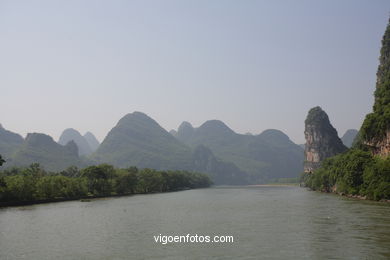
322, 140
380, 147
375, 131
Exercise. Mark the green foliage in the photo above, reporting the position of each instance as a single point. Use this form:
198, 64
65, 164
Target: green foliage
99, 178
355, 172
34, 183
377, 179
60, 187
377, 123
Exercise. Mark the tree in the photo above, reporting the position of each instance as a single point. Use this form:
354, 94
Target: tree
99, 178
1, 160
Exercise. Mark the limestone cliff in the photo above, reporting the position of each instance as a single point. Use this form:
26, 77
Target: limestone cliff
375, 131
322, 140
380, 146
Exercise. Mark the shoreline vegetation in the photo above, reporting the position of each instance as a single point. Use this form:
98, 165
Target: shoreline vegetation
355, 173
34, 185
346, 195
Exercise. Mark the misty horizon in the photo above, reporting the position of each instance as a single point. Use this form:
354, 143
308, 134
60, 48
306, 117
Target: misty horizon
254, 66
55, 138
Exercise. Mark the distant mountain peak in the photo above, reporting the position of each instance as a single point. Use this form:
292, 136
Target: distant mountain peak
92, 140
317, 116
184, 131
274, 132
349, 137
139, 140
9, 142
71, 130
136, 117
185, 124
173, 132
71, 134
215, 125
72, 147
41, 148
38, 138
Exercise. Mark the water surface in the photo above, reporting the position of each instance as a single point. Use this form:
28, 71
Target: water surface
266, 223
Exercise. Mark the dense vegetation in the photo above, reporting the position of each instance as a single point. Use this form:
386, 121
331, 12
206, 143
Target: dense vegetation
35, 184
355, 172
377, 123
362, 170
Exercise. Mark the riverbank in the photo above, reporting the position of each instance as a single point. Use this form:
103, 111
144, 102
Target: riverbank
274, 185
351, 196
33, 185
360, 197
82, 199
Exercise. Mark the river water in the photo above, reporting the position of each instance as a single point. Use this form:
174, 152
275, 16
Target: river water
265, 223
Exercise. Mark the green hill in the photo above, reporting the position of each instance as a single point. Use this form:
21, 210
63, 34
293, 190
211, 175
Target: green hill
375, 131
138, 140
9, 143
266, 156
92, 141
42, 149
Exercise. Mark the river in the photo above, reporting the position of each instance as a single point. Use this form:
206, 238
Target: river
266, 222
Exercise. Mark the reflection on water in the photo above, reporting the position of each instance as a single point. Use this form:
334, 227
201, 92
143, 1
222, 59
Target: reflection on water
266, 222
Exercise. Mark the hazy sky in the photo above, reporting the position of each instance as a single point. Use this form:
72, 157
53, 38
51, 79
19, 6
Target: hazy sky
252, 64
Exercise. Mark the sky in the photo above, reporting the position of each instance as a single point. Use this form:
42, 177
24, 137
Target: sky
255, 65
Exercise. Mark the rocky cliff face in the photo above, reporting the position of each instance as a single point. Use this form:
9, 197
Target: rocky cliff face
322, 140
380, 147
375, 131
